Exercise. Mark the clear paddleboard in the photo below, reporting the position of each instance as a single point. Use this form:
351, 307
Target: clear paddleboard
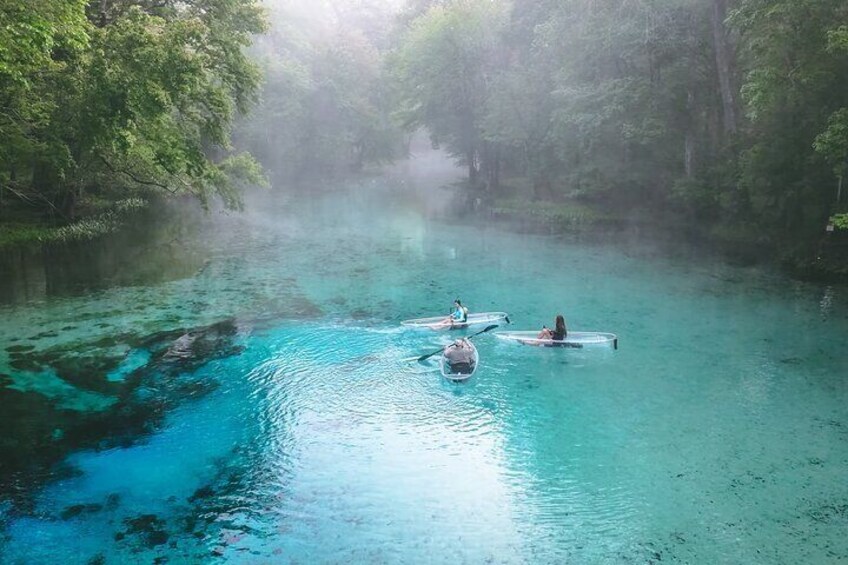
441, 323
572, 339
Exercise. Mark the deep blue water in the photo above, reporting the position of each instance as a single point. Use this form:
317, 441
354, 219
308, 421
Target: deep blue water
259, 410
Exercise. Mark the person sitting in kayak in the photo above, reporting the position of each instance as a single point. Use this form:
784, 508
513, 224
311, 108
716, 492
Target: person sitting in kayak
460, 357
460, 314
557, 334
458, 317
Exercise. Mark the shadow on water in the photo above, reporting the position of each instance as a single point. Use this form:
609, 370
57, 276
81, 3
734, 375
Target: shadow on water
154, 246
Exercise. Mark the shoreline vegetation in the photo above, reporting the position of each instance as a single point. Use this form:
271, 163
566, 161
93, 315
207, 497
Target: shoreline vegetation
676, 117
574, 218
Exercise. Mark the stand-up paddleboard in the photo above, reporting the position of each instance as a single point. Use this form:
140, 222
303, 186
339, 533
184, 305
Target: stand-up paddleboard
438, 322
572, 339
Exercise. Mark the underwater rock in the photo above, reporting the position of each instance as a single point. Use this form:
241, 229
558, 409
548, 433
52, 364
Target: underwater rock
297, 305
89, 373
196, 388
98, 559
27, 448
112, 501
360, 314
77, 509
148, 527
201, 493
19, 348
187, 350
43, 335
25, 364
31, 447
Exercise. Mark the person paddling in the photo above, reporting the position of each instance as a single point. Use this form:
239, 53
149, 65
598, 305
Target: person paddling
460, 357
557, 334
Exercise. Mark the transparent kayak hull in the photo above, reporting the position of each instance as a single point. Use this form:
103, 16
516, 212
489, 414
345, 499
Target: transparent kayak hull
445, 367
438, 322
572, 339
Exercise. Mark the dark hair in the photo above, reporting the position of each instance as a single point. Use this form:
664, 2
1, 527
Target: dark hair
458, 301
560, 324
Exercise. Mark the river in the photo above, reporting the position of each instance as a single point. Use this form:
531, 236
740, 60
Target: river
234, 387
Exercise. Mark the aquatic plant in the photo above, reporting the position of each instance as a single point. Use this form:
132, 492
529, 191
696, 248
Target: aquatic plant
840, 221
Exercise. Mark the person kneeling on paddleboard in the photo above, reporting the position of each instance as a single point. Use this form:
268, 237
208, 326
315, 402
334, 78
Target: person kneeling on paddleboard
557, 334
460, 357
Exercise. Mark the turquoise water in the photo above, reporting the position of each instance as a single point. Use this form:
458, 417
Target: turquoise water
261, 411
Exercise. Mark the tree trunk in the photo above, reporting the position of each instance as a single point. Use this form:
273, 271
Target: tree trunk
472, 167
689, 142
495, 180
724, 65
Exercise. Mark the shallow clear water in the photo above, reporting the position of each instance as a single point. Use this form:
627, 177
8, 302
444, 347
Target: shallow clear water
261, 409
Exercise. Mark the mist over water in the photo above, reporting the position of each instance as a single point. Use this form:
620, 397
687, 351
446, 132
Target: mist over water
259, 408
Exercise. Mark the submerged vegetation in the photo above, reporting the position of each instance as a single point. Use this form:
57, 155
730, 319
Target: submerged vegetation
727, 116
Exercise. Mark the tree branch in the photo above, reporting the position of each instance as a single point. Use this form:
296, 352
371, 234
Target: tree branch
26, 198
134, 178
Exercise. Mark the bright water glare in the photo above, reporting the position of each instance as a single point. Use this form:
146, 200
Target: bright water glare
262, 410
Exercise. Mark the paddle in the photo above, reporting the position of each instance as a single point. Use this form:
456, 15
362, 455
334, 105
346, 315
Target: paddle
425, 357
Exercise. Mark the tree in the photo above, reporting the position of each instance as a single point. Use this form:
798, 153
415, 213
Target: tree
445, 67
325, 104
140, 96
795, 93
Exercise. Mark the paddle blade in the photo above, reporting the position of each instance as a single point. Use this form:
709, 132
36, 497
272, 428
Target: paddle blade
488, 329
507, 319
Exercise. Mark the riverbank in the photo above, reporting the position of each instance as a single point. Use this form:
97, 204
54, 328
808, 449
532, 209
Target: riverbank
826, 262
21, 226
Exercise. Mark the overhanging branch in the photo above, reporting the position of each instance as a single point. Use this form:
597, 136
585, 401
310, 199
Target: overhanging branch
134, 178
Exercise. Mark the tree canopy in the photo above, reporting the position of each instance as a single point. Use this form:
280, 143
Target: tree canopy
729, 115
732, 114
102, 100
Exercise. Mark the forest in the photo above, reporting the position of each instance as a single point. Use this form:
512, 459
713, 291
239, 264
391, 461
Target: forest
725, 118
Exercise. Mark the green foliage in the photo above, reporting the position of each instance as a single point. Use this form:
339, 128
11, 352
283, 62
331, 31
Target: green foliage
839, 221
832, 143
136, 98
731, 114
96, 226
444, 68
33, 30
112, 217
571, 215
796, 93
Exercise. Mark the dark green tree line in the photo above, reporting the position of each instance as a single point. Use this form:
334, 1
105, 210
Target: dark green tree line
727, 114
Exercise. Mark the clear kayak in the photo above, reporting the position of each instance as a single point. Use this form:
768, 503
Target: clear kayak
572, 339
439, 322
459, 373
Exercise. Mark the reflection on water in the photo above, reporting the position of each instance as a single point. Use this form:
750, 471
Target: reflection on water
252, 404
156, 246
